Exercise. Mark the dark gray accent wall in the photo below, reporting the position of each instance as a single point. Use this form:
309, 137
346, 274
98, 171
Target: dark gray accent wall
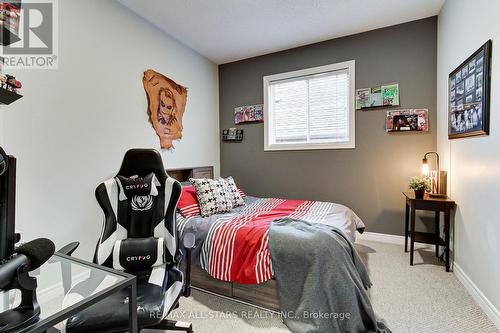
370, 178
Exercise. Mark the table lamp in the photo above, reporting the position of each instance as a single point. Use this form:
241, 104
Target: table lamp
437, 177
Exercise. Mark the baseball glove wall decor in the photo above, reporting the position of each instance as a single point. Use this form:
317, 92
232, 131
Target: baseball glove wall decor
166, 106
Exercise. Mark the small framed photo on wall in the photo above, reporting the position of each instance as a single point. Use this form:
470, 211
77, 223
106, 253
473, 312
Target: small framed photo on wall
469, 95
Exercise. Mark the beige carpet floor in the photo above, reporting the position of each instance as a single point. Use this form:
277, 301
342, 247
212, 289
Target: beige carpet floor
411, 299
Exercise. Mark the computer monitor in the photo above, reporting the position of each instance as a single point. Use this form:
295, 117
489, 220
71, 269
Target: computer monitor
7, 204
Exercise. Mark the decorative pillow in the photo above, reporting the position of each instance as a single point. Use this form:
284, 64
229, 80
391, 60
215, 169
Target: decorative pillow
233, 192
212, 196
138, 254
242, 194
188, 203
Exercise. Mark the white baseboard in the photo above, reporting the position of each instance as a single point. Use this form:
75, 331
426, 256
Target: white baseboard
383, 238
391, 239
45, 295
56, 290
477, 295
484, 303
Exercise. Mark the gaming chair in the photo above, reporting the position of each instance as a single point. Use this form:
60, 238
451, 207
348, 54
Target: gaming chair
139, 236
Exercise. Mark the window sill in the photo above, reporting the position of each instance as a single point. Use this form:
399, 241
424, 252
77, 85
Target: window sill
317, 146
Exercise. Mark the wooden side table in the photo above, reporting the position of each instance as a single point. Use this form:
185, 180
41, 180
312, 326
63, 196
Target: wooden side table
428, 203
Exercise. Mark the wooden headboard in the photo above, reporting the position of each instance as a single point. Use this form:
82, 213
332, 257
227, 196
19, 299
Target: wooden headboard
183, 175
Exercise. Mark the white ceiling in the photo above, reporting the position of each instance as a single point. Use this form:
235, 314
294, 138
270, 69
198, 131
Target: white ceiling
229, 30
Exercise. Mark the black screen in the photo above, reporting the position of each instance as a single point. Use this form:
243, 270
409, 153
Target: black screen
7, 207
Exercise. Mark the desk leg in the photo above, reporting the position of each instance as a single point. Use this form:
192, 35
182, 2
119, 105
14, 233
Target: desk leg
407, 222
447, 237
412, 231
132, 307
436, 232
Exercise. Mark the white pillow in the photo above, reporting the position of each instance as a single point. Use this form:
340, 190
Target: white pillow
213, 196
233, 192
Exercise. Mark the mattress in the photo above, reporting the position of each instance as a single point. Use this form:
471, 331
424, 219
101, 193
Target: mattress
234, 246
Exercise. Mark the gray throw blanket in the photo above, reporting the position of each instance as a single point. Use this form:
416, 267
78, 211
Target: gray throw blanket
321, 279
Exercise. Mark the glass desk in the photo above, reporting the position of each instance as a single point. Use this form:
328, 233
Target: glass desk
56, 278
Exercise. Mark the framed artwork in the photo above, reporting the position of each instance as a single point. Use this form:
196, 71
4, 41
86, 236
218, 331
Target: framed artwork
232, 135
249, 113
376, 97
469, 95
407, 120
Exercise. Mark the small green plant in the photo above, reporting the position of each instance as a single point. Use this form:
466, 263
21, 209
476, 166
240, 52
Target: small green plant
420, 183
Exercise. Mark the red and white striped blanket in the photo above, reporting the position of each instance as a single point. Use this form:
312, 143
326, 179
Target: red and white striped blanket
236, 247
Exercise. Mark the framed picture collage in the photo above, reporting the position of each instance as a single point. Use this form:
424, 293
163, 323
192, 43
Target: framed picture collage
469, 94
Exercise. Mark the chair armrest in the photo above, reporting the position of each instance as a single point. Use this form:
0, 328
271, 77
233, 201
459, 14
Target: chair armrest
65, 266
69, 248
189, 243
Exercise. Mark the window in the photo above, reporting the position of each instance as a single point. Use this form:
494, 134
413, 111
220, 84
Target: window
310, 109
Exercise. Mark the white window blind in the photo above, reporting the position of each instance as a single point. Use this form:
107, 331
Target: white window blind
310, 109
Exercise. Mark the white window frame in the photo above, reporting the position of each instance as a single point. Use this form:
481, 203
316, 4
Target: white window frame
268, 121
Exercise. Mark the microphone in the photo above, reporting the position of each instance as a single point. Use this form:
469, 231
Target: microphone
31, 255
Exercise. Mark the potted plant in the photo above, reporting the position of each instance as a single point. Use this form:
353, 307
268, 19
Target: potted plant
420, 185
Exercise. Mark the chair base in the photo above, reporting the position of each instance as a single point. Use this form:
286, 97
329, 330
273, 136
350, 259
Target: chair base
172, 325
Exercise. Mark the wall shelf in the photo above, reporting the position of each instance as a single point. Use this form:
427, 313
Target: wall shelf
7, 96
7, 37
232, 135
376, 107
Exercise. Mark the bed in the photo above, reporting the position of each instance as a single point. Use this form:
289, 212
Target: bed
234, 247
232, 256
293, 256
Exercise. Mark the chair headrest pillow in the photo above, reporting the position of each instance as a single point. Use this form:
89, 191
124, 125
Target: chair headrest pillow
140, 186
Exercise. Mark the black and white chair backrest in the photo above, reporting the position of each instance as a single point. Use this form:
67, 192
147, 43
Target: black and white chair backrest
139, 229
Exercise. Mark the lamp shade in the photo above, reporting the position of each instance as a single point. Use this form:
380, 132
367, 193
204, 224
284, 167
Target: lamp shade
425, 167
437, 177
